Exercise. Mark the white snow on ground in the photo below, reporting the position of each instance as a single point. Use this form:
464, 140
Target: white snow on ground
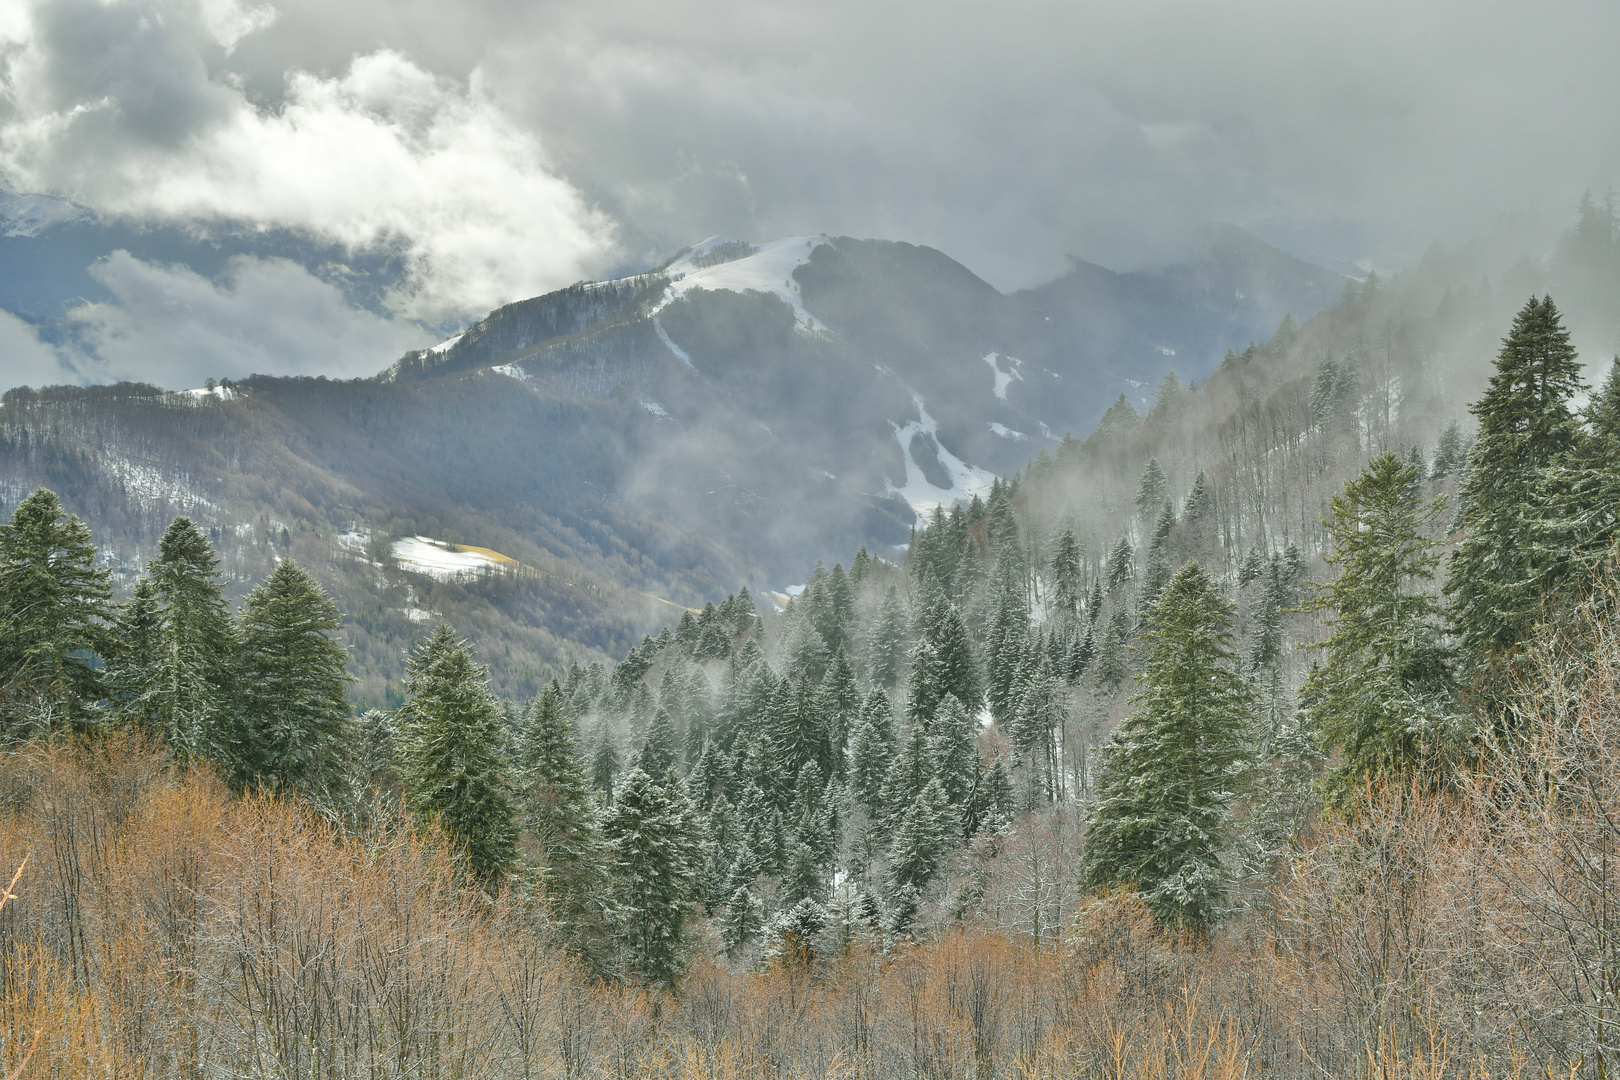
354, 538
920, 494
437, 559
220, 393
655, 408
511, 371
1007, 433
768, 270
663, 335
1004, 378
445, 345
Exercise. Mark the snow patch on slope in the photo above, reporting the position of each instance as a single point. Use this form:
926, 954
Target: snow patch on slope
663, 335
1015, 370
769, 269
445, 346
448, 562
918, 491
1006, 432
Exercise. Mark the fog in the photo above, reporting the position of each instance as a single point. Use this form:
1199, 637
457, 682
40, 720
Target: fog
503, 149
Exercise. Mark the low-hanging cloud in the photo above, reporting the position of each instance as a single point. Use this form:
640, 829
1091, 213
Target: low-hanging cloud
174, 327
130, 109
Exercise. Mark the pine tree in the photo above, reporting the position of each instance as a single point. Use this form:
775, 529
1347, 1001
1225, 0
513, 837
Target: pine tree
955, 736
957, 669
656, 845
923, 834
1266, 614
871, 752
1111, 659
561, 818
293, 715
54, 612
838, 700
887, 641
1165, 523
1525, 425
193, 680
1383, 696
1170, 771
1450, 454
1121, 565
604, 757
1198, 500
1150, 490
131, 678
1066, 584
452, 752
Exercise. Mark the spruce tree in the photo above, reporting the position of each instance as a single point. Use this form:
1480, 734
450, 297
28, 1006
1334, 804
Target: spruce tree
1121, 565
452, 739
1525, 425
1150, 490
293, 718
131, 678
561, 818
1066, 585
193, 681
1384, 694
53, 617
657, 848
887, 641
1170, 772
871, 752
923, 833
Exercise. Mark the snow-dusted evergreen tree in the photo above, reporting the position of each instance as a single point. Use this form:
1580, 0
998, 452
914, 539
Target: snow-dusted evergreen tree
1151, 489
452, 752
1121, 565
923, 834
956, 749
1383, 697
294, 719
887, 640
192, 685
131, 678
1066, 584
656, 846
560, 817
871, 752
1170, 772
53, 617
1525, 425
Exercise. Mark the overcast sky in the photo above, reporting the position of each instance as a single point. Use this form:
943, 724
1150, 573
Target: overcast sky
500, 149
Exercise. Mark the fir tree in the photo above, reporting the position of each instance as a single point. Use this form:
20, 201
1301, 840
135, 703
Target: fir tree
53, 617
955, 735
294, 717
560, 816
193, 679
452, 752
1111, 658
1198, 500
1266, 615
656, 847
1066, 585
871, 752
741, 920
1150, 490
887, 641
1170, 772
604, 757
923, 834
1384, 694
1157, 575
1450, 454
1121, 565
132, 673
1525, 425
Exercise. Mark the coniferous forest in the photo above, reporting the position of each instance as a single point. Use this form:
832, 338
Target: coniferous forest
1272, 732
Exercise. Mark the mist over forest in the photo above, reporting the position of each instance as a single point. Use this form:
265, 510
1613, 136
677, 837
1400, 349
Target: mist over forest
604, 541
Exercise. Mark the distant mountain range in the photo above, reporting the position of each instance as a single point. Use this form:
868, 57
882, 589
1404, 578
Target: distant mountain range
725, 418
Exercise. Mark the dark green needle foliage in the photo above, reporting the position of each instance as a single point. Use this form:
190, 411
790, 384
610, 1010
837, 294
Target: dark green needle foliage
1171, 771
53, 618
452, 753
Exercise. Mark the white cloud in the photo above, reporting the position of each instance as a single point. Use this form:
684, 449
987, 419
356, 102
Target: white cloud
25, 360
172, 326
116, 105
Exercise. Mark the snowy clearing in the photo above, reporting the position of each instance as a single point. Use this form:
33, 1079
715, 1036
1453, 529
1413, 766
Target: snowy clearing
1006, 432
448, 562
1004, 379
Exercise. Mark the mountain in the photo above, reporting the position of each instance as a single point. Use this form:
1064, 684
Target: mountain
563, 476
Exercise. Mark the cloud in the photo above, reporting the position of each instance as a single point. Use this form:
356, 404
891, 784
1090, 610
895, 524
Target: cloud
131, 108
24, 359
172, 326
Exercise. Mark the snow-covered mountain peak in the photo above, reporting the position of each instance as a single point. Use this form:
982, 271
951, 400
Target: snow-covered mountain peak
722, 265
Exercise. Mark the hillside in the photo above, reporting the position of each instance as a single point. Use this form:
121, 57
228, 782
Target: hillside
633, 446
